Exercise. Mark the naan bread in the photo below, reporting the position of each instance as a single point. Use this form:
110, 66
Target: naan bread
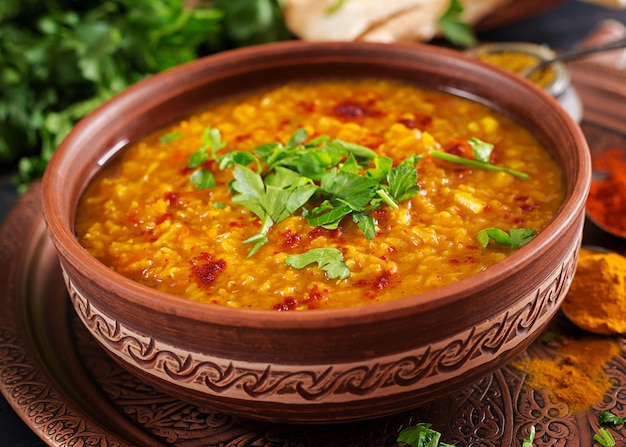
376, 20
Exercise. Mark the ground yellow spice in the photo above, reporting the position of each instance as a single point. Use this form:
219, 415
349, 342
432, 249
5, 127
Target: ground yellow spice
596, 301
575, 376
517, 62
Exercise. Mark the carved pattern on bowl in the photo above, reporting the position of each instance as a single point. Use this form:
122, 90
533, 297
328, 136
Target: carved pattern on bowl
337, 383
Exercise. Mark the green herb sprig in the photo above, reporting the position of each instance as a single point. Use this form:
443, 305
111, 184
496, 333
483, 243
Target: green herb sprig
61, 59
604, 438
530, 438
421, 435
610, 419
454, 28
344, 179
515, 238
328, 259
482, 152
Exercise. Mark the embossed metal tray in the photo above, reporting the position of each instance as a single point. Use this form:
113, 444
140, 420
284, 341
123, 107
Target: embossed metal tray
70, 392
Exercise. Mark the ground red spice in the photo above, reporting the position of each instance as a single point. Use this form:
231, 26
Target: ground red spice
289, 303
606, 203
291, 239
420, 122
204, 269
354, 109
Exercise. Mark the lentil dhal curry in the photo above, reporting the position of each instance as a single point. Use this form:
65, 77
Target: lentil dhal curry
321, 195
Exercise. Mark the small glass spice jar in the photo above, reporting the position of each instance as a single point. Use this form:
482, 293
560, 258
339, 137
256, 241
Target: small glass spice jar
521, 56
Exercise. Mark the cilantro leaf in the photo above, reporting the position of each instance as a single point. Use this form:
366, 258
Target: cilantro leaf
528, 440
366, 225
521, 236
236, 158
197, 158
251, 190
403, 181
328, 259
608, 418
169, 137
212, 138
454, 28
516, 238
349, 188
380, 171
482, 150
203, 179
272, 201
328, 216
297, 137
421, 435
355, 149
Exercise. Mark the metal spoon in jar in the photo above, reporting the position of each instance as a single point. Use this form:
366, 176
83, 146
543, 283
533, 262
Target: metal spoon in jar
574, 54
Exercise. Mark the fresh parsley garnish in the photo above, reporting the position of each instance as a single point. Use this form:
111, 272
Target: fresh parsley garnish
528, 440
604, 438
203, 179
169, 137
346, 191
328, 259
272, 199
610, 419
482, 150
421, 435
454, 28
336, 178
516, 238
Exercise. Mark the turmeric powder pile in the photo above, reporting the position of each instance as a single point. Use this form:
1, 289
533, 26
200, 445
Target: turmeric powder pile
575, 376
517, 62
596, 301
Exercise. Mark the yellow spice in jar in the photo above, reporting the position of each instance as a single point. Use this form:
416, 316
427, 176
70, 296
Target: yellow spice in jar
517, 62
596, 301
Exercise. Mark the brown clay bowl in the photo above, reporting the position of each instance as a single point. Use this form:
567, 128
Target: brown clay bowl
331, 365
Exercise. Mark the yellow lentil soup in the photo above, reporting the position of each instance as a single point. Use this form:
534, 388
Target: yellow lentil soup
144, 217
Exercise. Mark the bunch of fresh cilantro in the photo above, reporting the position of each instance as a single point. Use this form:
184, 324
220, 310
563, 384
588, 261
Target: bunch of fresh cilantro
59, 59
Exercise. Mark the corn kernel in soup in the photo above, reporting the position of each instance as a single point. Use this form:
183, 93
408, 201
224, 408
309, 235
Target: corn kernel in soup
144, 218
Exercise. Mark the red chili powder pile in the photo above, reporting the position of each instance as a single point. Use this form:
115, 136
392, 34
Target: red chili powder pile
606, 203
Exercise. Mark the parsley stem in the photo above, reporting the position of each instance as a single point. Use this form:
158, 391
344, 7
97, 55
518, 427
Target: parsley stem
387, 199
604, 438
477, 164
260, 239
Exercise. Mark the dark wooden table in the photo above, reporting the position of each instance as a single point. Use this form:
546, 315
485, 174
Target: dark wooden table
560, 27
